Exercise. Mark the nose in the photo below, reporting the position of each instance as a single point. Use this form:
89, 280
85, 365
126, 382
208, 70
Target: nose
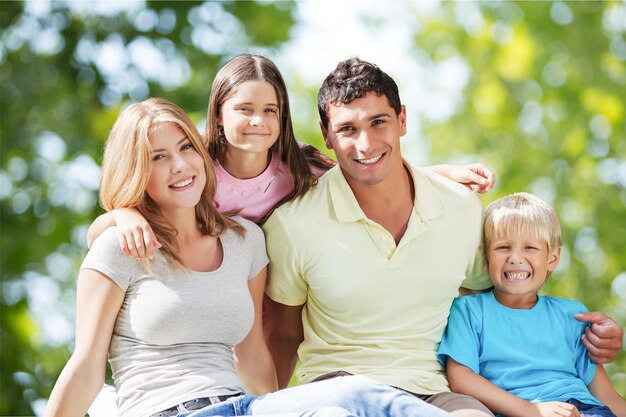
363, 143
516, 258
256, 120
178, 163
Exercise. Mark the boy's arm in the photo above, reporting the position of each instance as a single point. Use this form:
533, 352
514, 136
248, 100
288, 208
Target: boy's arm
464, 381
603, 390
477, 177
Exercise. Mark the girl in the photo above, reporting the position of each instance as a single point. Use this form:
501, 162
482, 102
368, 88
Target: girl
258, 162
170, 325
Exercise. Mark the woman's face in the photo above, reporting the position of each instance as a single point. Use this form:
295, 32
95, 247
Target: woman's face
178, 175
250, 117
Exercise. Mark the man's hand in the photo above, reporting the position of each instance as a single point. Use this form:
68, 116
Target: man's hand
603, 338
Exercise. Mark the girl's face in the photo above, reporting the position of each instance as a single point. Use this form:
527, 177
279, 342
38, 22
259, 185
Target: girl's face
250, 117
178, 176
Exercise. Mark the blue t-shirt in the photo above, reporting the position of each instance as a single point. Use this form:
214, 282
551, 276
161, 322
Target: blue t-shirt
535, 354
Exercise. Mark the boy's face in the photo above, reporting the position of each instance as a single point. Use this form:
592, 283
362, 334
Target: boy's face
518, 267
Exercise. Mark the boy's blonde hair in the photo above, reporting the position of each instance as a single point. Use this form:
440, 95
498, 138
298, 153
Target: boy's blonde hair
127, 165
521, 214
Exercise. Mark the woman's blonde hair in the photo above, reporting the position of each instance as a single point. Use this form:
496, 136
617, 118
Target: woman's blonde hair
127, 164
521, 214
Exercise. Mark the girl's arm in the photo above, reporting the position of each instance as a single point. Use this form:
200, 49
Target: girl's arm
477, 177
252, 358
135, 235
603, 390
102, 222
464, 381
98, 300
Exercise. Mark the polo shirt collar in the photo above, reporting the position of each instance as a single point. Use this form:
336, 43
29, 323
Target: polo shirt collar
426, 205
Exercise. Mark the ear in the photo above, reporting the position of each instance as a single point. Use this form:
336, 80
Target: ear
327, 140
554, 259
402, 120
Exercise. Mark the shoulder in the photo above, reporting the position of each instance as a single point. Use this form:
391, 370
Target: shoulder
565, 305
106, 257
447, 188
307, 205
253, 232
107, 242
473, 301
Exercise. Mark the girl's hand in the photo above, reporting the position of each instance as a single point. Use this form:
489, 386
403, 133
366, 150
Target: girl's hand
477, 177
555, 409
135, 234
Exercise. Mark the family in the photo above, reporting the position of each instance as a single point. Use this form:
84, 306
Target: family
364, 273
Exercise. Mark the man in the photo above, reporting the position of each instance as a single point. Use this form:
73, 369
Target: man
365, 266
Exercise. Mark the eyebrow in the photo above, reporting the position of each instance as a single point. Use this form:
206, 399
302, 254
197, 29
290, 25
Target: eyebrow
374, 117
185, 138
249, 103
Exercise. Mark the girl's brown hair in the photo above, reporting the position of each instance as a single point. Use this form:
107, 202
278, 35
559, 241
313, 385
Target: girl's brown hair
127, 164
249, 67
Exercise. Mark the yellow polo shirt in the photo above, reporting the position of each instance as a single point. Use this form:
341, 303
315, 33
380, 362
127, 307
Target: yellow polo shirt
371, 307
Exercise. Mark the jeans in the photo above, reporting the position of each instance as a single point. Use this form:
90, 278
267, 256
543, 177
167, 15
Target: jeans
348, 396
588, 410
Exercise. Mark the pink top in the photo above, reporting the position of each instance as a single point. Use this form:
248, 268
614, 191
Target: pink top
254, 197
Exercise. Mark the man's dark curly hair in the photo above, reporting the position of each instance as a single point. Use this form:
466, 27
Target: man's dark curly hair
352, 79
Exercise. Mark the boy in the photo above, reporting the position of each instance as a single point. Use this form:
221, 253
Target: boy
517, 352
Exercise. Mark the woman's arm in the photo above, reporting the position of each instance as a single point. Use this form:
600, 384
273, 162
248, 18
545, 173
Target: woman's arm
602, 389
477, 177
98, 300
464, 381
135, 235
252, 358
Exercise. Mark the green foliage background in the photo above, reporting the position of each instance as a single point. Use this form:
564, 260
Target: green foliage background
544, 106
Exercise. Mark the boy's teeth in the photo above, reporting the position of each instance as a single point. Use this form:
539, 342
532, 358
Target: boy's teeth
517, 275
370, 161
182, 183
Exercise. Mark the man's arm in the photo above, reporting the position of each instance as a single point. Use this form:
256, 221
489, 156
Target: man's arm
282, 325
603, 337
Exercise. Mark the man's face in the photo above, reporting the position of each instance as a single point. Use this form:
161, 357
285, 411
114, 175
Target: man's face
365, 135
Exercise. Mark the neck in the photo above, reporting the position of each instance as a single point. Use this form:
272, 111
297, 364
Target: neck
519, 302
245, 165
388, 203
184, 221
